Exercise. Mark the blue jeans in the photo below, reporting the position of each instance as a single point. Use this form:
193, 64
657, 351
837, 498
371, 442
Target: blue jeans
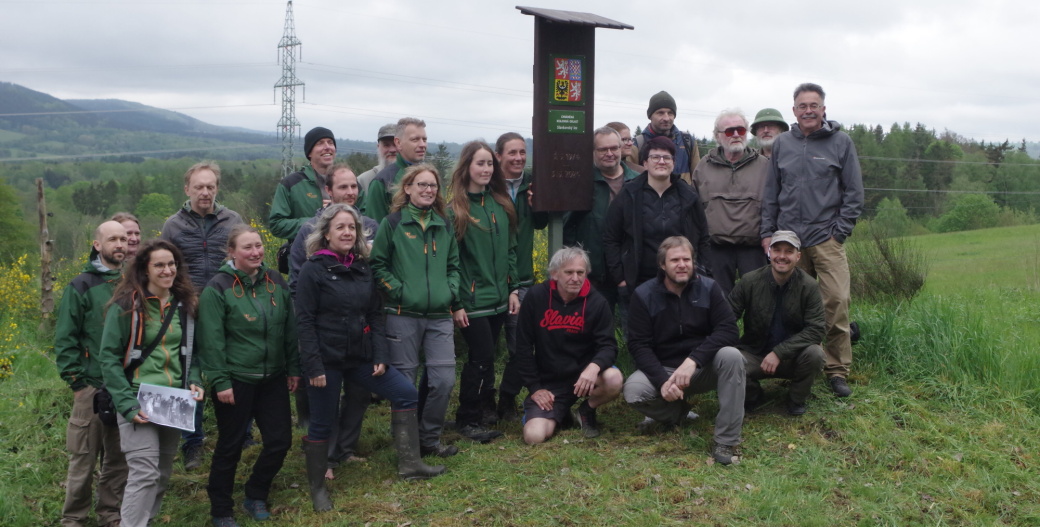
392, 386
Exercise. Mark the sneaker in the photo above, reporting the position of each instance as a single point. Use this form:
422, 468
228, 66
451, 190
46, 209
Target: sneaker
587, 418
725, 454
226, 521
839, 386
256, 509
479, 433
507, 410
794, 408
193, 459
439, 450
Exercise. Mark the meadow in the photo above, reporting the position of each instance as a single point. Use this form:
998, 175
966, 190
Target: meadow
943, 429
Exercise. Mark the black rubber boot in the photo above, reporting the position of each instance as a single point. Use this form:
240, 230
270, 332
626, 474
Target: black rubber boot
317, 455
406, 439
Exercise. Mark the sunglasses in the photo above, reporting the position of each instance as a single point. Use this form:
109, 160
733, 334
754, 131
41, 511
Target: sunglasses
734, 130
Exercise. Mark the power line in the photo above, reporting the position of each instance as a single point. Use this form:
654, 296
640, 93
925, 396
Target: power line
949, 161
147, 109
937, 191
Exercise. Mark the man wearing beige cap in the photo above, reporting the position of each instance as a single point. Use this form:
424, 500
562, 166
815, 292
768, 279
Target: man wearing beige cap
783, 324
387, 154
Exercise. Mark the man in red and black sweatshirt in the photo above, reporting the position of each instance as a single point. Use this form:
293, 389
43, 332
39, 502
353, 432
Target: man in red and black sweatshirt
565, 349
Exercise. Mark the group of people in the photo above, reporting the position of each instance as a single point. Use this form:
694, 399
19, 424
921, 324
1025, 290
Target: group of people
383, 268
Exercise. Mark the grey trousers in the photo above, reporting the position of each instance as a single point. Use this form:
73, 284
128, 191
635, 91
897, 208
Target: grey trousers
88, 439
802, 370
726, 375
150, 451
436, 338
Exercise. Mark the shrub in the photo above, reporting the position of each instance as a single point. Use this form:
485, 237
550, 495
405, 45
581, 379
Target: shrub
885, 269
969, 212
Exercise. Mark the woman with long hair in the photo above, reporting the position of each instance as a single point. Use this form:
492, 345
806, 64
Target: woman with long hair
343, 339
485, 227
415, 258
248, 352
149, 329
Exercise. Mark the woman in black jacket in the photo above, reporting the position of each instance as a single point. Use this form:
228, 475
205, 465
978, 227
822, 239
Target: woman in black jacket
343, 339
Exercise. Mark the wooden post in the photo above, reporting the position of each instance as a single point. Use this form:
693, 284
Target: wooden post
46, 278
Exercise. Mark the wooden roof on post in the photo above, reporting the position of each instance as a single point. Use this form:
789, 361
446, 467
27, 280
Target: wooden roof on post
573, 17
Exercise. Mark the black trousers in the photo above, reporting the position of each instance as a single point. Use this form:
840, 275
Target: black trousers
477, 382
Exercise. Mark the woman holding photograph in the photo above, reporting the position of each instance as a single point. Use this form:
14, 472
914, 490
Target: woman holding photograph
248, 351
343, 340
148, 340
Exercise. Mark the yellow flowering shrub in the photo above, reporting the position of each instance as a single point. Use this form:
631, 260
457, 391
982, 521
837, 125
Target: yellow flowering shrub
541, 255
19, 290
8, 347
271, 243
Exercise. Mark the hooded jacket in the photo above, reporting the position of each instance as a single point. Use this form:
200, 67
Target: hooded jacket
416, 267
487, 258
754, 300
296, 198
557, 340
202, 240
814, 187
163, 367
664, 329
80, 322
623, 233
585, 228
527, 221
732, 196
246, 329
339, 316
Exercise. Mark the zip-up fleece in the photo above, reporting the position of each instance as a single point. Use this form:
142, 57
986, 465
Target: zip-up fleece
732, 196
487, 256
416, 268
586, 227
246, 329
376, 201
202, 240
557, 340
664, 329
80, 321
527, 221
339, 316
815, 187
163, 367
296, 198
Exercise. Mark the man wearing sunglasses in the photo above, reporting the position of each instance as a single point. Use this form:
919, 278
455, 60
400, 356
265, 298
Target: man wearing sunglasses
730, 180
815, 188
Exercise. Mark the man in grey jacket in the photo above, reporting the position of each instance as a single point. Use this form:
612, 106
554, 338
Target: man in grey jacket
815, 189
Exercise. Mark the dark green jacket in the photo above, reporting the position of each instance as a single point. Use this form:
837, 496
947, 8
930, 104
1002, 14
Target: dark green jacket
163, 367
416, 268
527, 221
295, 200
487, 255
376, 201
246, 329
754, 299
81, 319
585, 228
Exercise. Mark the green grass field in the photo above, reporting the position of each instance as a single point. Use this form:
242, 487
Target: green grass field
943, 429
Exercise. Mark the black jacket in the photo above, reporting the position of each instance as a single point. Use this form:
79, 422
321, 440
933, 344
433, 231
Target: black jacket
338, 316
623, 233
665, 329
557, 340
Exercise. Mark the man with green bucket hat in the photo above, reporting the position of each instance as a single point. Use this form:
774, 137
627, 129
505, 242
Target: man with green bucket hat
768, 124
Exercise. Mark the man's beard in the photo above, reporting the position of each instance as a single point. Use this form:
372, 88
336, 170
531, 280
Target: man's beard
735, 148
765, 143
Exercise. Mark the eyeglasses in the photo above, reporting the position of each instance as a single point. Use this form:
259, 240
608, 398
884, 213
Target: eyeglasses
660, 158
611, 149
627, 140
425, 186
158, 266
733, 130
803, 107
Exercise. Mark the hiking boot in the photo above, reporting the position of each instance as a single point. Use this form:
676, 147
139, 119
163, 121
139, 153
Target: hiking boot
794, 408
226, 521
507, 409
478, 433
439, 450
193, 459
587, 418
839, 386
256, 509
725, 454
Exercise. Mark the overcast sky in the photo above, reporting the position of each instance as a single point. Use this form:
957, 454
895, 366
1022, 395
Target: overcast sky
465, 66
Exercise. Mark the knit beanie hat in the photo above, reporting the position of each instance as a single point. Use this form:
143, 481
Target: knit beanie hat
660, 100
316, 134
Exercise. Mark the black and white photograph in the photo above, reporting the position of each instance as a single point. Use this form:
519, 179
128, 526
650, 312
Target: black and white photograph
167, 406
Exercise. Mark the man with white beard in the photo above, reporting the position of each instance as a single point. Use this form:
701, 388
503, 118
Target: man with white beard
768, 124
387, 154
730, 180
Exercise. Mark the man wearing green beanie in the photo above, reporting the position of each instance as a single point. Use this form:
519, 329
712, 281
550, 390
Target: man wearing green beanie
661, 112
